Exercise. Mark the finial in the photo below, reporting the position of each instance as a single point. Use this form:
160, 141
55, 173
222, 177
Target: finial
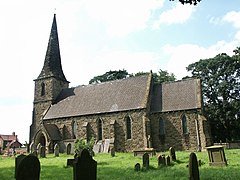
55, 9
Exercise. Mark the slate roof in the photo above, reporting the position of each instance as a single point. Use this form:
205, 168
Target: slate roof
8, 137
174, 96
52, 64
53, 131
119, 95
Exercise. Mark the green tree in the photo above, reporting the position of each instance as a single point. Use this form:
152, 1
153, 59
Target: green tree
194, 2
159, 77
109, 76
220, 86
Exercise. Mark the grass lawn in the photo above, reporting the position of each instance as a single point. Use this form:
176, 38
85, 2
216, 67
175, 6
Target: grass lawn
122, 167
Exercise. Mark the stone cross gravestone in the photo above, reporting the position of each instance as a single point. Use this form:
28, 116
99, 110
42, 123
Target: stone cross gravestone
85, 168
146, 160
18, 159
193, 167
28, 169
56, 150
172, 154
42, 152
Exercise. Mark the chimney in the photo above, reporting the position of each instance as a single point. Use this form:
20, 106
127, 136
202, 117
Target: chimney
13, 133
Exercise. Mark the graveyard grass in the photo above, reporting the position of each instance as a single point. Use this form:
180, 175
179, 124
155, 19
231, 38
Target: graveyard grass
121, 167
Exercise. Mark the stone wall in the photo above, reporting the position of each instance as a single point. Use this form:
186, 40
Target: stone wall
143, 128
113, 126
174, 136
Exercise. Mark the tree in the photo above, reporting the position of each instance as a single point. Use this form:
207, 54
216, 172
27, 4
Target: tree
194, 2
160, 77
220, 86
109, 76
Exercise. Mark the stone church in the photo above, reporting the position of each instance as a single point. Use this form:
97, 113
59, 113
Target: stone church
133, 113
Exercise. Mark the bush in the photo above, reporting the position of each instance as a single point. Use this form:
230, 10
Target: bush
81, 144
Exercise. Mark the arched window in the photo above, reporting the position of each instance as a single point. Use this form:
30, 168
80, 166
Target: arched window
42, 89
129, 127
161, 127
99, 127
184, 124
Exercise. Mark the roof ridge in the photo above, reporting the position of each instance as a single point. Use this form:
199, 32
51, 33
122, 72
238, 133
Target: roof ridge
112, 81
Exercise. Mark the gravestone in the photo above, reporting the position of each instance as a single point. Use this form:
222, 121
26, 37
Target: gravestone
70, 162
69, 147
18, 159
146, 160
56, 150
85, 168
112, 150
32, 147
34, 153
193, 167
172, 154
42, 152
137, 167
161, 161
28, 169
38, 148
216, 156
96, 148
106, 145
168, 161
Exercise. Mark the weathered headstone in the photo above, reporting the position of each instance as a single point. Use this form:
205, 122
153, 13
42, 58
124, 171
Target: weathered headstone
56, 150
137, 167
70, 162
34, 153
96, 148
42, 152
172, 154
28, 169
32, 147
85, 168
216, 156
112, 150
161, 161
193, 167
18, 159
146, 160
69, 146
38, 148
106, 145
168, 161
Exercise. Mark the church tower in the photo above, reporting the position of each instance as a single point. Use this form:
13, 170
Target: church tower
50, 81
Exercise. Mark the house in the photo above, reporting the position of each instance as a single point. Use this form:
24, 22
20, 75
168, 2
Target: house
9, 141
134, 113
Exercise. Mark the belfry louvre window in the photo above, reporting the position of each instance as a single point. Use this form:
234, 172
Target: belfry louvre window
99, 127
42, 89
129, 127
184, 124
161, 127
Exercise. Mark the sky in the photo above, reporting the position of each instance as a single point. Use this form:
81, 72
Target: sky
96, 36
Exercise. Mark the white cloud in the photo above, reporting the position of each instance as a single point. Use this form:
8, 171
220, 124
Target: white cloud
179, 14
122, 17
183, 55
233, 17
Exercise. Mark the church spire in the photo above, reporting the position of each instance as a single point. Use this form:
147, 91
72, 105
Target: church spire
52, 65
